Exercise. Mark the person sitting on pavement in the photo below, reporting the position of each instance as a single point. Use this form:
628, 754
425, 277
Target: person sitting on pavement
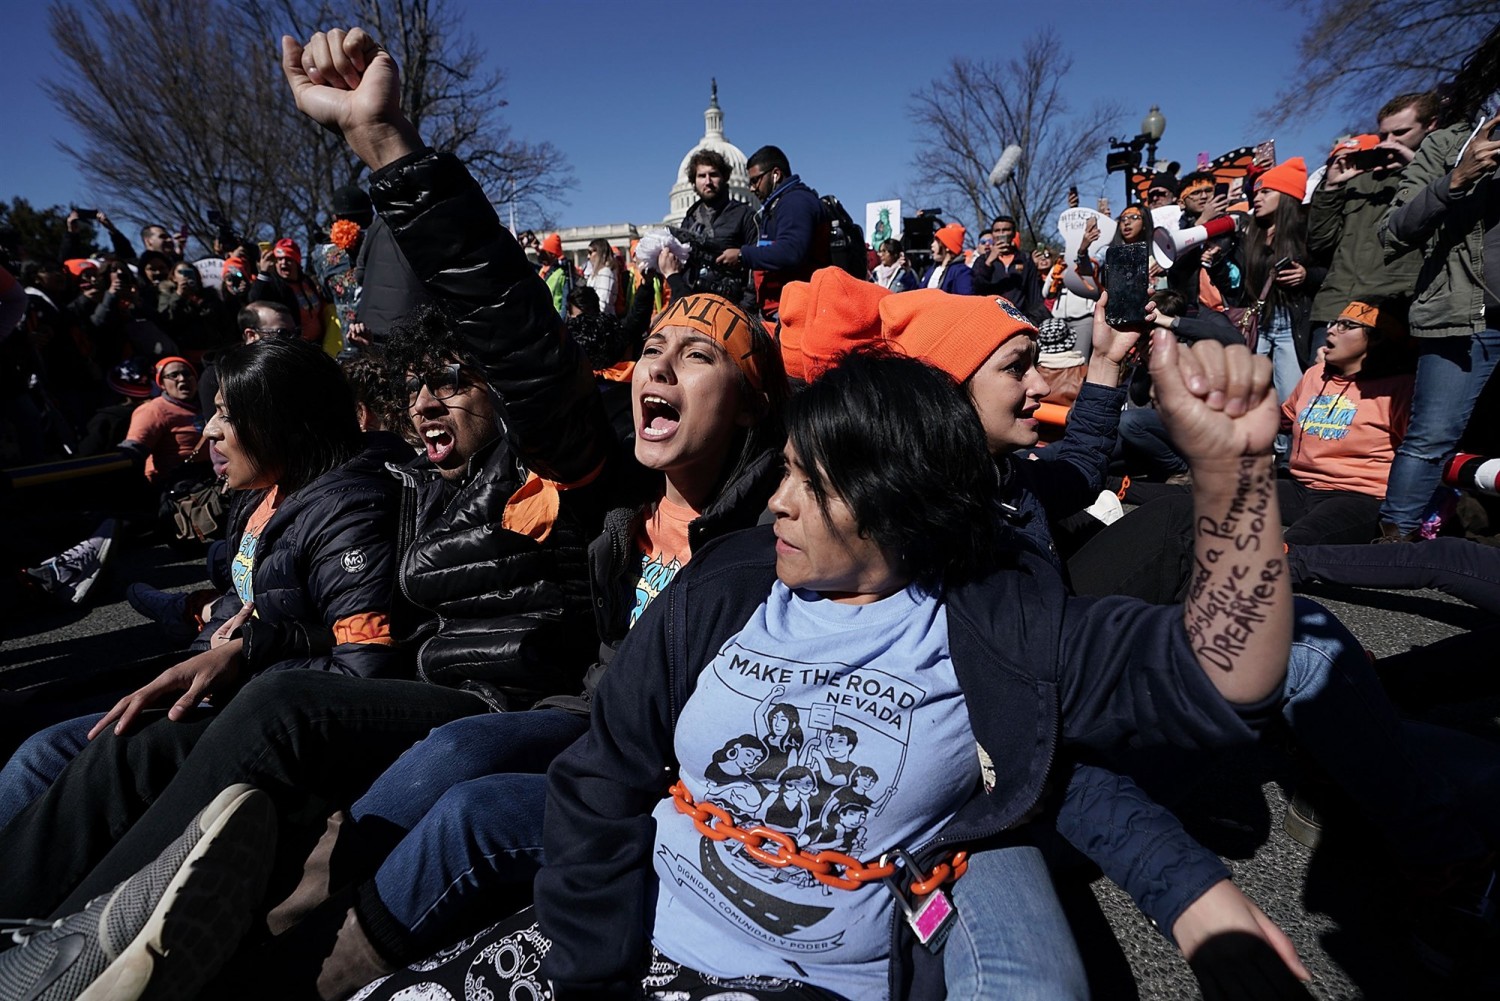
879, 447
166, 434
312, 556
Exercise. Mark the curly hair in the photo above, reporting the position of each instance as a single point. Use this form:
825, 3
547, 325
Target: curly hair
601, 337
378, 389
900, 442
711, 158
428, 335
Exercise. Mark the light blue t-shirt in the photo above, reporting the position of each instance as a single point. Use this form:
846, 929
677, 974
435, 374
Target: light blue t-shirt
842, 725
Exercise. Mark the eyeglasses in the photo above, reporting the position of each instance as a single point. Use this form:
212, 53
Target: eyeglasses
442, 383
278, 331
754, 179
1343, 324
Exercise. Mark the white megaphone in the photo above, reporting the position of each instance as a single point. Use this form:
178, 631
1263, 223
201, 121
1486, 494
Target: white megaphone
1171, 244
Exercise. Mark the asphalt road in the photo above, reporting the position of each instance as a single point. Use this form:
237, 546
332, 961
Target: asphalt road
1335, 903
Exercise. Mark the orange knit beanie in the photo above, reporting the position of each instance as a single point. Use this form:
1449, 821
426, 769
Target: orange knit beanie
1289, 178
955, 333
825, 317
952, 237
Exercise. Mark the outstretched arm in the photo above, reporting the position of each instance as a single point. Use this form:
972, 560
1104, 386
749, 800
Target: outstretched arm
1221, 413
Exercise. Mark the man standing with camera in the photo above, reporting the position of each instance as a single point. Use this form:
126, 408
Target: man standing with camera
713, 224
1343, 221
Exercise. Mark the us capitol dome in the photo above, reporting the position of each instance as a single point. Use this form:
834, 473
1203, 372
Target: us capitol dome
576, 238
683, 195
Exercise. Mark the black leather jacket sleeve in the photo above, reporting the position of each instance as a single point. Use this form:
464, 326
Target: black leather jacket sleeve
455, 244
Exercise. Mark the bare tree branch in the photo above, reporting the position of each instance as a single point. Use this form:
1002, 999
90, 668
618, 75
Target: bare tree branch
966, 118
1357, 54
213, 127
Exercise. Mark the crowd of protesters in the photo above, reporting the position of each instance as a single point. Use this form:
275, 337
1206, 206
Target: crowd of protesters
727, 618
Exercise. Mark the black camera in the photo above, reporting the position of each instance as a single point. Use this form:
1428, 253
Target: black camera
224, 233
703, 271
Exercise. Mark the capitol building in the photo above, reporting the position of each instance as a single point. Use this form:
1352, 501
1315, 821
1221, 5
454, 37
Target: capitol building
576, 238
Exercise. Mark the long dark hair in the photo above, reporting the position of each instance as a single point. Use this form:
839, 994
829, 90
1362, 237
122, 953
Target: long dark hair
768, 433
1146, 226
291, 407
1290, 220
900, 442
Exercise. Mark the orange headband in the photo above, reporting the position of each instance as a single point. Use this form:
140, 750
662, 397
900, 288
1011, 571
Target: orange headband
1195, 186
1383, 320
717, 317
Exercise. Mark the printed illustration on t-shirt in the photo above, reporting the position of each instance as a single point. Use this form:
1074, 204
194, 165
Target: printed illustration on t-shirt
655, 576
814, 751
1327, 417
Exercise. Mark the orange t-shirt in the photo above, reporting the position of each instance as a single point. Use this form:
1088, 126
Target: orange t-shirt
662, 541
1345, 431
169, 430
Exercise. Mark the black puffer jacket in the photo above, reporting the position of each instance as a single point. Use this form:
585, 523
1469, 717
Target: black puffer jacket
512, 609
505, 593
323, 561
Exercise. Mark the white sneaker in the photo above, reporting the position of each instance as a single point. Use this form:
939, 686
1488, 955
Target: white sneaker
70, 575
170, 926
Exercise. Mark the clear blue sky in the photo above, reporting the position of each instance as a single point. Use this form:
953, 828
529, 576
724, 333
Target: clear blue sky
621, 87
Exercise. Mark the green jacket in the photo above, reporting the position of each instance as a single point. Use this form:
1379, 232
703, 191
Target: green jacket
1343, 227
1446, 231
558, 284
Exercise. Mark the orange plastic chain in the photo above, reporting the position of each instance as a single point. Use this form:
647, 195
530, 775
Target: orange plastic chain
714, 823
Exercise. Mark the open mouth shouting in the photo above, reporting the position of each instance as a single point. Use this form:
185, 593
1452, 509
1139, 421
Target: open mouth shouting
659, 419
438, 440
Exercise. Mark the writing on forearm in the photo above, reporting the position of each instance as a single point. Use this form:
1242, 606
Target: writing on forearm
1238, 586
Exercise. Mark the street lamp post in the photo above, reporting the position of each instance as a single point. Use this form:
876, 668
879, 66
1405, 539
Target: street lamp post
1152, 127
1125, 155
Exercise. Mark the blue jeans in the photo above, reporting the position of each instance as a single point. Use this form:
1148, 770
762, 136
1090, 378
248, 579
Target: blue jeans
1451, 373
1429, 791
39, 761
1467, 570
1011, 939
1407, 780
466, 803
1275, 339
1146, 447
